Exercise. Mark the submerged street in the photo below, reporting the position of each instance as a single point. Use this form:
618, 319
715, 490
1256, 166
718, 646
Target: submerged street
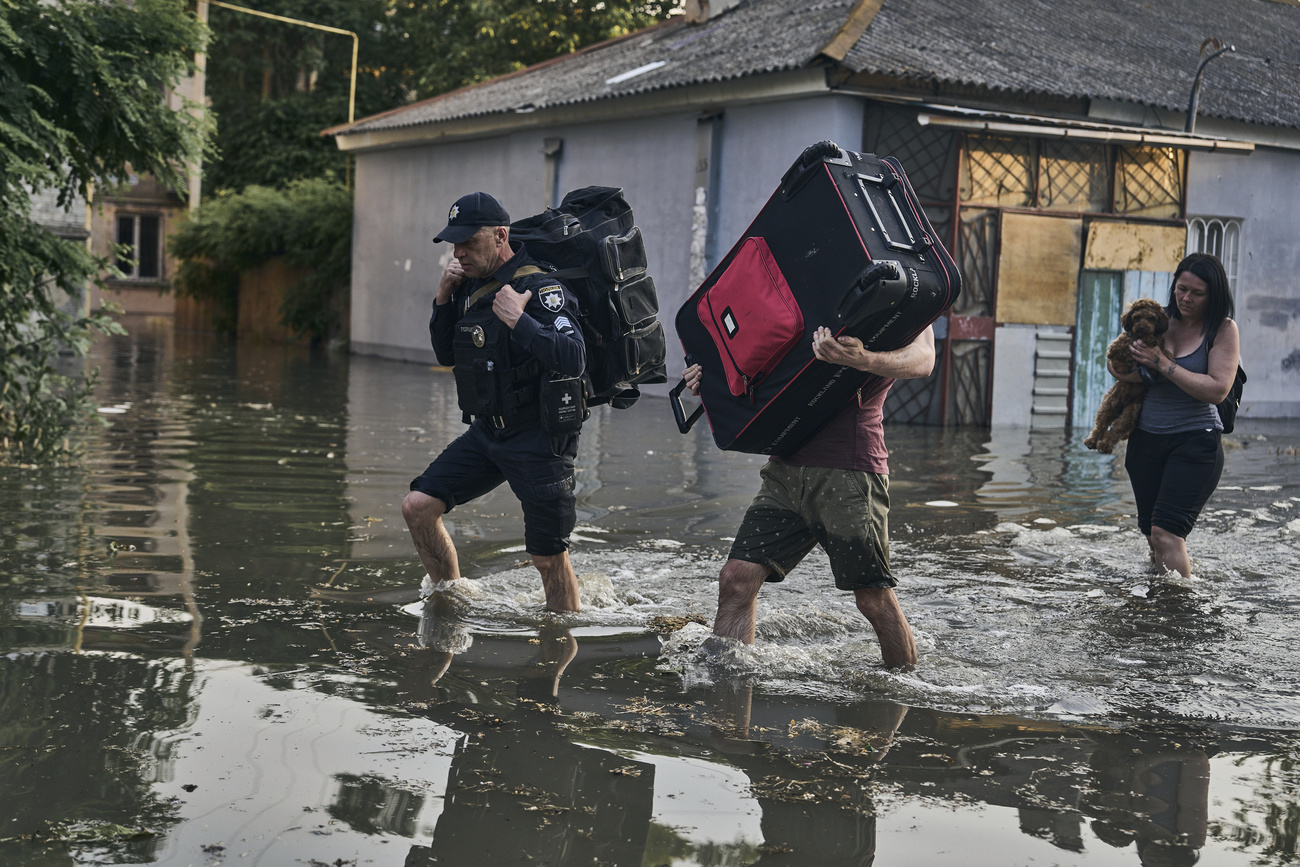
215, 648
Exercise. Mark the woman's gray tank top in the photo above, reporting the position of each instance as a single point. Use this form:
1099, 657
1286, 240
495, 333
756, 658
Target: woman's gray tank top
1168, 409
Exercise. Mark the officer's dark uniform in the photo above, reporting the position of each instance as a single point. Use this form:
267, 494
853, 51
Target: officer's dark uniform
499, 375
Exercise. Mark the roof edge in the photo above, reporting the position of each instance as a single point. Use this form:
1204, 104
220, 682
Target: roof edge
769, 87
350, 128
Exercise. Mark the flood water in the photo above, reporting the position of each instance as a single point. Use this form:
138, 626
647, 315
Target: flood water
215, 650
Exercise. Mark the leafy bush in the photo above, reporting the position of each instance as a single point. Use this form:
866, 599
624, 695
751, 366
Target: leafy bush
308, 222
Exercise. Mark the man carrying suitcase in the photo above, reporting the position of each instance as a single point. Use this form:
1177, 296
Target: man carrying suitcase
834, 491
506, 328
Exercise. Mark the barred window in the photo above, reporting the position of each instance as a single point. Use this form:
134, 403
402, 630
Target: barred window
1220, 236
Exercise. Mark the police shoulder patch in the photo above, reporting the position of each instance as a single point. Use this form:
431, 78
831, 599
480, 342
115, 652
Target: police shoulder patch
552, 298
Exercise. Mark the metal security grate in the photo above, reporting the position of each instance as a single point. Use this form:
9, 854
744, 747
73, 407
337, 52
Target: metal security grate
998, 171
977, 242
940, 216
1073, 177
968, 382
1149, 182
928, 153
1220, 236
916, 401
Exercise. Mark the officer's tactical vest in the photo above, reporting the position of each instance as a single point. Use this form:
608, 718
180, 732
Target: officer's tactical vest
488, 384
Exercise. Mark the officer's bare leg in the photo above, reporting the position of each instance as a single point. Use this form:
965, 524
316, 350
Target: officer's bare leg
559, 581
880, 606
423, 516
738, 586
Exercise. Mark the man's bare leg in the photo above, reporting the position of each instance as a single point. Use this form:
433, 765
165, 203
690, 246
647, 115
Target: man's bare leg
880, 607
423, 516
558, 581
738, 586
556, 649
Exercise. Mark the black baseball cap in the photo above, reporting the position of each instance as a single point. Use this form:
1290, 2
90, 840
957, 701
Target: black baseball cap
469, 214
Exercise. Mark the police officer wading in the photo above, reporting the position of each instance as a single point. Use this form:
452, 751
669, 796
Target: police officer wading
510, 333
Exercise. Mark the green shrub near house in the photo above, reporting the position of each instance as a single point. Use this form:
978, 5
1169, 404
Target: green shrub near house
307, 222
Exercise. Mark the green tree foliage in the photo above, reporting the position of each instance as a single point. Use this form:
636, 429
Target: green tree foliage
308, 222
274, 86
82, 103
460, 42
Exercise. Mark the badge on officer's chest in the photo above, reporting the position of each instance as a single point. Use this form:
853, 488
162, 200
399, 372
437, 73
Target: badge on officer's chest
553, 298
476, 334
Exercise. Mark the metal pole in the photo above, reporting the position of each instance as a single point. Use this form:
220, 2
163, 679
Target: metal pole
1196, 83
352, 89
199, 94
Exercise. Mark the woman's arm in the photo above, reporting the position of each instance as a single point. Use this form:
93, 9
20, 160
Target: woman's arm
1130, 376
1211, 387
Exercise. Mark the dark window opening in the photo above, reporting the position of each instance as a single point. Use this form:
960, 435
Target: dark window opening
139, 246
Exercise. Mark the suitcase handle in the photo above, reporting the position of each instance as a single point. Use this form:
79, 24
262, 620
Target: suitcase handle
813, 157
882, 286
684, 424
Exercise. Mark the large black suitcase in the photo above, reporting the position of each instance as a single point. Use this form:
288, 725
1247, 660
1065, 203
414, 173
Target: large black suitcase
844, 243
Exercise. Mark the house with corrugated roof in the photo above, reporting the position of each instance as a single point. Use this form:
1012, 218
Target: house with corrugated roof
1069, 154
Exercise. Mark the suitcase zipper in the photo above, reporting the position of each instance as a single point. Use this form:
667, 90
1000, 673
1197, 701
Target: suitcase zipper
751, 383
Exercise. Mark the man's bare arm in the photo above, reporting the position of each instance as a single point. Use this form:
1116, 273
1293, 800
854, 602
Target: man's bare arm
914, 361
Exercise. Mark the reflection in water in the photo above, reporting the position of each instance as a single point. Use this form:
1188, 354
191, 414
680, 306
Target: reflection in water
818, 818
1152, 793
520, 788
70, 756
211, 648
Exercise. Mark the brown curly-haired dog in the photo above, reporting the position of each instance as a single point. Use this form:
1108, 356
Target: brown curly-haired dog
1144, 320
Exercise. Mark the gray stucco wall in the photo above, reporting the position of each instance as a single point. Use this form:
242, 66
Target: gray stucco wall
402, 197
759, 142
1259, 189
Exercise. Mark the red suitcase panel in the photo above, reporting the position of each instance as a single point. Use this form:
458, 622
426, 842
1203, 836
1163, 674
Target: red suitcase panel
752, 316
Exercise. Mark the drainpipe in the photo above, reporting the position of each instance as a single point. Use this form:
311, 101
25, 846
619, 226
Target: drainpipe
1196, 83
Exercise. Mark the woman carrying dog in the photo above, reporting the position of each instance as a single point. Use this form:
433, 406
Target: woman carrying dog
1175, 456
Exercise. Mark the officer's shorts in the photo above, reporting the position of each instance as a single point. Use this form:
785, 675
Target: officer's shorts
477, 462
844, 511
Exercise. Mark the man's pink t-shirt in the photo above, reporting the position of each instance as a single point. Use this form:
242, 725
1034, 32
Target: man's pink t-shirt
854, 439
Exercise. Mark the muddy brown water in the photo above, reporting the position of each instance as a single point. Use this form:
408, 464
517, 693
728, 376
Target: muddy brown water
215, 650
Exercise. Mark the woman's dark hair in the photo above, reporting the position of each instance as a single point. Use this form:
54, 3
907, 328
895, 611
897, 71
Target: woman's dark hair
1219, 304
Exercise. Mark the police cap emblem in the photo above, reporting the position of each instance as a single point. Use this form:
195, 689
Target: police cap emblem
552, 298
454, 213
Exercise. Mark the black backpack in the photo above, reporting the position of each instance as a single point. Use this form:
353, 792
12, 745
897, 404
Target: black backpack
1230, 404
597, 251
